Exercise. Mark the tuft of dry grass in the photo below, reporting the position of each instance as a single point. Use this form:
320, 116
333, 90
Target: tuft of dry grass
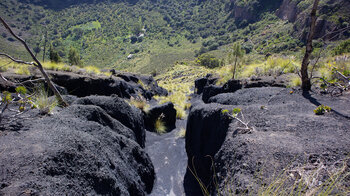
295, 81
159, 126
181, 133
140, 102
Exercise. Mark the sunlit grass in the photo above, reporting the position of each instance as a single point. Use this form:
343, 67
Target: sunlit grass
92, 70
291, 181
57, 66
159, 126
22, 70
295, 81
140, 103
181, 133
179, 81
43, 102
273, 66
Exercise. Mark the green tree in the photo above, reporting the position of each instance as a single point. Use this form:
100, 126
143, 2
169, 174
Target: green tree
54, 56
235, 53
74, 57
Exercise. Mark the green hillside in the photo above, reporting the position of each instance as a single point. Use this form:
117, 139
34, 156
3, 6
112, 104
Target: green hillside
148, 36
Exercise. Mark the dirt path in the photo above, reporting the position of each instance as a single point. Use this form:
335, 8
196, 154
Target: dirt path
169, 158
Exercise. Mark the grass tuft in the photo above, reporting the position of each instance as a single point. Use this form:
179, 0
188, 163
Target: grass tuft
92, 70
181, 133
22, 70
140, 103
159, 126
43, 102
295, 81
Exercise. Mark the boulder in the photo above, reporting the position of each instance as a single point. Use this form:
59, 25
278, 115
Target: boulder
166, 112
80, 150
205, 132
125, 85
210, 91
147, 83
266, 81
83, 86
118, 109
232, 86
200, 83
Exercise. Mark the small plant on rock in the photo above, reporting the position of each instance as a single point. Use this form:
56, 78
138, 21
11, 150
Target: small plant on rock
234, 114
43, 102
159, 125
322, 109
20, 99
140, 103
181, 133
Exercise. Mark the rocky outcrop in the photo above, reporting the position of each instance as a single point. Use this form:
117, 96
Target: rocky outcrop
205, 133
200, 83
211, 90
288, 11
81, 149
118, 109
82, 86
166, 112
285, 134
124, 86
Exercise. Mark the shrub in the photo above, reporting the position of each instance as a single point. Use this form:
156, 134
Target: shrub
322, 109
209, 61
343, 47
74, 57
54, 56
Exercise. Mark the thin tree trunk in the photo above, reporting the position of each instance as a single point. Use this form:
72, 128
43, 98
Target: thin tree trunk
37, 64
306, 83
234, 68
45, 41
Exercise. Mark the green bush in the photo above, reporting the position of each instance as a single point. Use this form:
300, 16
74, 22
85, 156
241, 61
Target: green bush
74, 57
208, 60
343, 47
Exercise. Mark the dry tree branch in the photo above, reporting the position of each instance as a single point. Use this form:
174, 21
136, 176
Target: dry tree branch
37, 64
16, 60
314, 65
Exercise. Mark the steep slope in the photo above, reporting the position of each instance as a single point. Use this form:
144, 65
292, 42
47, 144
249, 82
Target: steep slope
149, 36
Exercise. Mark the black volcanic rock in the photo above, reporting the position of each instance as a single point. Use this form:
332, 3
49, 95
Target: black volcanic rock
80, 150
205, 133
246, 96
201, 83
118, 109
210, 91
286, 134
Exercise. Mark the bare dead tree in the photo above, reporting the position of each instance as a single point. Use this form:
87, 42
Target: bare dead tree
36, 63
306, 81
